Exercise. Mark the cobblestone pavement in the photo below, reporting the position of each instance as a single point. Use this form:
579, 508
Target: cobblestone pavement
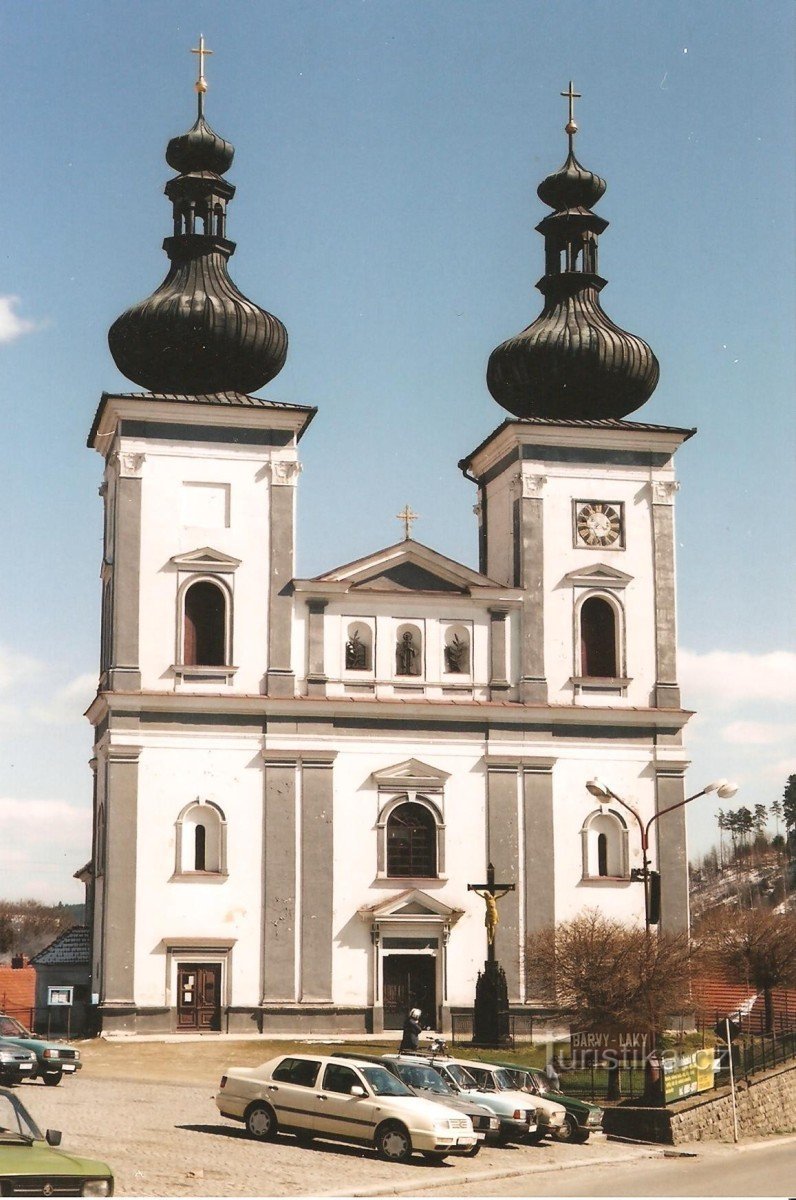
165, 1139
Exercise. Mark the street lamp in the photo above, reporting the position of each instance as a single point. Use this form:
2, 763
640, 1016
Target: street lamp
601, 792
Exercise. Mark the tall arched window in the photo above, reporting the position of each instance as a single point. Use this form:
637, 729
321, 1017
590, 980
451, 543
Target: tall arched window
411, 842
598, 640
200, 848
204, 626
602, 853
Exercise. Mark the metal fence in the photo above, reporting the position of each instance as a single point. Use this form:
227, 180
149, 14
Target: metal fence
63, 1022
520, 1027
756, 1053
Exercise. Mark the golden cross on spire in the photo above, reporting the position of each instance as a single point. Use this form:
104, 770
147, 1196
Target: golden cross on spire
407, 516
570, 127
201, 83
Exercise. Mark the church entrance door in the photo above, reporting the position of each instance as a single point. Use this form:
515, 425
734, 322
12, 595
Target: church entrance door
199, 996
409, 982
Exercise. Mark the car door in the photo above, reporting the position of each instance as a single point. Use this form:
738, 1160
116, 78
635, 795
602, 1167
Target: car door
339, 1114
291, 1091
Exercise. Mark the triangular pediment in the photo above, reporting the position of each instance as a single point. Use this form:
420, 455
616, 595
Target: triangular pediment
413, 905
205, 559
408, 566
411, 774
597, 575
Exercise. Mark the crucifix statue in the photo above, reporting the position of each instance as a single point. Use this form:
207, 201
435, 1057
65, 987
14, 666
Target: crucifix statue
491, 892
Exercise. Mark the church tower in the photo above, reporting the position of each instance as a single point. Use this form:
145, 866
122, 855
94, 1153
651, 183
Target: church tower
199, 497
576, 509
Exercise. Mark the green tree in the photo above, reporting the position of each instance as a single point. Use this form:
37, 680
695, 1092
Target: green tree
789, 803
6, 934
776, 812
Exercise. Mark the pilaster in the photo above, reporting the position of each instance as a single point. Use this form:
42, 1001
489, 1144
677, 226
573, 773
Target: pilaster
504, 853
667, 692
119, 883
672, 850
317, 855
279, 881
316, 669
280, 679
124, 674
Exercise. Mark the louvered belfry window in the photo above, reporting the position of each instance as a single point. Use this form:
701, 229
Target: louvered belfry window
411, 842
205, 626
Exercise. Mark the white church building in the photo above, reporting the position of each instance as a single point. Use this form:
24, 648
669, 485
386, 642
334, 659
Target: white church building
296, 779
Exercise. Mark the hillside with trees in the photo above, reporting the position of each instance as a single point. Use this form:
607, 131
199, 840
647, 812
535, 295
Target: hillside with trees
753, 864
27, 926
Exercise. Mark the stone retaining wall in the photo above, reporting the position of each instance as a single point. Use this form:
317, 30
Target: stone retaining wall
766, 1104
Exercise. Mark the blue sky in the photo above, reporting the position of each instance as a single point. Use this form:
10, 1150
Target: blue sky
387, 161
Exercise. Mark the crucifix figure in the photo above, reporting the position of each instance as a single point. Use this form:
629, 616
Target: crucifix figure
491, 892
570, 127
407, 516
201, 83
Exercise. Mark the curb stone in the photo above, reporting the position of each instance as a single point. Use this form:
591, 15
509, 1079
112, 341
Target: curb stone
483, 1176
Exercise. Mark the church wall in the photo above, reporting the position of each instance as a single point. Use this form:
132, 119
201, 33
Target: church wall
500, 529
169, 529
628, 772
637, 600
227, 908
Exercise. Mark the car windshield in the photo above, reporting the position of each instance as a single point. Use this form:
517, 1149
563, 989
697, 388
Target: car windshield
15, 1122
383, 1083
418, 1076
11, 1028
539, 1082
462, 1077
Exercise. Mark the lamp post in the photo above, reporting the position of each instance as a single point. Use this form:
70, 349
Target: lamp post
604, 795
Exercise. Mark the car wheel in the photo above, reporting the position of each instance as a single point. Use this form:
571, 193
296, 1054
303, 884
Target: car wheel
393, 1142
52, 1078
581, 1137
261, 1122
568, 1132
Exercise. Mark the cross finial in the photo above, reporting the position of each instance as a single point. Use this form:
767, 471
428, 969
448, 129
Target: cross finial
201, 83
570, 127
407, 516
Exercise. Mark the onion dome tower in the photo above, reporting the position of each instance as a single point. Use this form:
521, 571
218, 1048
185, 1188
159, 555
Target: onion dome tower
197, 334
573, 361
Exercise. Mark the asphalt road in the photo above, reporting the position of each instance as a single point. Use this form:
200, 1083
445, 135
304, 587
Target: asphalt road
716, 1170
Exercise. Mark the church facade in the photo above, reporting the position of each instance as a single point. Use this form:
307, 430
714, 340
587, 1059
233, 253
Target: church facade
296, 779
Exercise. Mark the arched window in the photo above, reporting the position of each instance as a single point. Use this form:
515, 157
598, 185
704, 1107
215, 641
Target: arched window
598, 640
359, 647
201, 840
411, 842
605, 846
602, 853
200, 848
204, 626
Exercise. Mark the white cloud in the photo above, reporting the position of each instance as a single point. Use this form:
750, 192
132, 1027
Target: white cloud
781, 770
15, 667
727, 677
757, 733
67, 703
44, 841
13, 326
17, 813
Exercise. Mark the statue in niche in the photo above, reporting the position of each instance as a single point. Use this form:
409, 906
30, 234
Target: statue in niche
456, 656
356, 653
406, 656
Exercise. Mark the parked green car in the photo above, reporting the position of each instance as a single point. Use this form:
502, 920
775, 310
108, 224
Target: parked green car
53, 1059
582, 1118
30, 1166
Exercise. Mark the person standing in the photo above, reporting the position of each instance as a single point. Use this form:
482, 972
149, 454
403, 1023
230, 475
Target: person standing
411, 1032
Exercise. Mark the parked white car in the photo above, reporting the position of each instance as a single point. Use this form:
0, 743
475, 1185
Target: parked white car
334, 1097
492, 1078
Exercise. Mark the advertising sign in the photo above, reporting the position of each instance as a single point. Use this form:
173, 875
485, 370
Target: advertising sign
60, 995
687, 1074
598, 1045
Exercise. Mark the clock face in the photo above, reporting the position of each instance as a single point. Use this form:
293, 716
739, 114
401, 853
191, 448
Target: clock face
598, 523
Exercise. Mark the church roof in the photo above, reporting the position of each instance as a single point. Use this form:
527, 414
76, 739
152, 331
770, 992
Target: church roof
406, 566
217, 399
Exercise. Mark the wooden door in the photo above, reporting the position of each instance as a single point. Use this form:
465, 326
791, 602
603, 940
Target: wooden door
409, 982
199, 996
